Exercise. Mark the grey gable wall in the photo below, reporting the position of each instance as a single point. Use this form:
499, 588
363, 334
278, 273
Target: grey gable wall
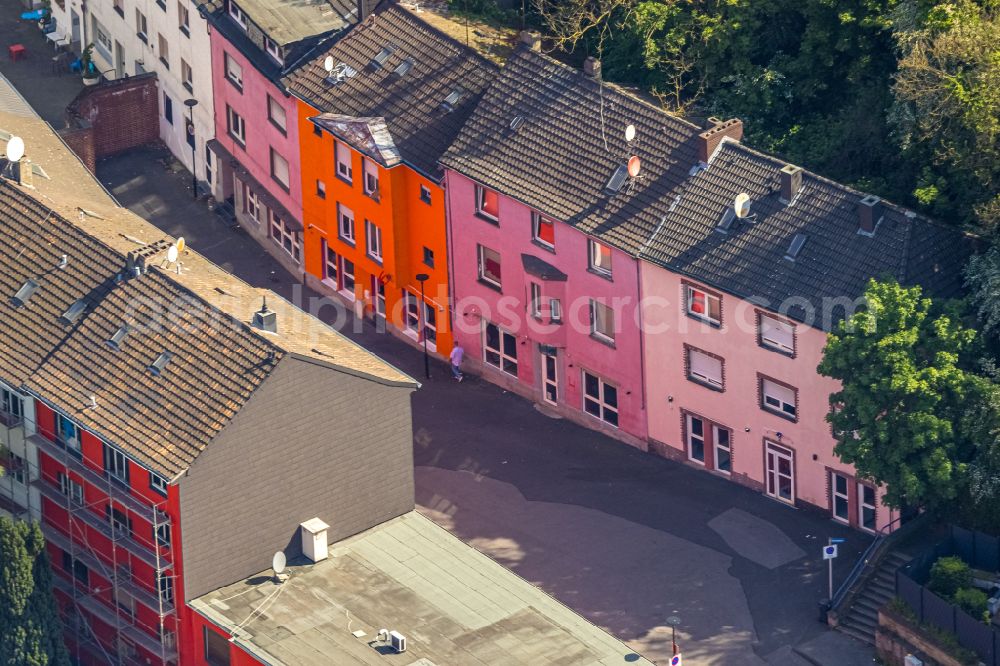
310, 442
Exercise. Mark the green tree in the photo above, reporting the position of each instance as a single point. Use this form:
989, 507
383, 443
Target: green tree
30, 630
898, 415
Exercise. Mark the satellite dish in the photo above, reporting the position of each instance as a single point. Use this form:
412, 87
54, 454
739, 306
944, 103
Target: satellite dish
630, 132
328, 64
180, 244
634, 166
278, 562
15, 148
742, 205
172, 253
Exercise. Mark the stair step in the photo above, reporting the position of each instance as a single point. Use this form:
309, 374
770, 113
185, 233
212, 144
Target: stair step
883, 587
870, 605
859, 634
863, 614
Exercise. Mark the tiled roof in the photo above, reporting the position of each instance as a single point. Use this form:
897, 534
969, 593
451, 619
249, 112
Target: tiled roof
570, 141
412, 104
835, 260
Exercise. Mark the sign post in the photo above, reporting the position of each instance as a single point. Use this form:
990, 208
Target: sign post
830, 554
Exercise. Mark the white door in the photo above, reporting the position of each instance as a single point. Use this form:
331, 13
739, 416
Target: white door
550, 379
780, 473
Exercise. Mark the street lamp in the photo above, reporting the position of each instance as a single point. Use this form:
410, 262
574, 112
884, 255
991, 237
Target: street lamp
422, 279
190, 103
674, 622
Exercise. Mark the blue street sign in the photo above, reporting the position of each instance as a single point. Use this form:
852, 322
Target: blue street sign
837, 540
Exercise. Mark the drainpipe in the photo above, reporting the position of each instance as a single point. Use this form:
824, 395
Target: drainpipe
450, 259
642, 342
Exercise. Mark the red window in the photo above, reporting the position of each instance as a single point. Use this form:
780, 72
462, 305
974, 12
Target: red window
544, 230
487, 203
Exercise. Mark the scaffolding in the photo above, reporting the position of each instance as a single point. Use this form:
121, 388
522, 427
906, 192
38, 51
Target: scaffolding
62, 486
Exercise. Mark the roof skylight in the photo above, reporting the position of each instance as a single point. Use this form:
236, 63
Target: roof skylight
24, 293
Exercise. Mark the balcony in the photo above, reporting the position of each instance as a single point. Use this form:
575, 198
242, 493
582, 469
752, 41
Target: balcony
110, 617
11, 431
119, 537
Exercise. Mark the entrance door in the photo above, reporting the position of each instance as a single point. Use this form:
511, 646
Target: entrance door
780, 473
378, 289
550, 379
75, 23
119, 60
722, 438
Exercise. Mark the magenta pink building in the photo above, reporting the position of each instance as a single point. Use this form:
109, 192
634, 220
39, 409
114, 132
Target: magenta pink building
256, 120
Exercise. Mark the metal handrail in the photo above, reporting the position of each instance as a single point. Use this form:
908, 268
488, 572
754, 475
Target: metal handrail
862, 563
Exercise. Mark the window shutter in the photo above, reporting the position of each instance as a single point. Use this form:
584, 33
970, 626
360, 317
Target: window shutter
705, 366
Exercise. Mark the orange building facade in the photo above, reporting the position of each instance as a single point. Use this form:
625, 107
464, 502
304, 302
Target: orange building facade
370, 229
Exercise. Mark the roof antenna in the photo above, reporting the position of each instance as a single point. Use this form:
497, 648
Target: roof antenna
63, 261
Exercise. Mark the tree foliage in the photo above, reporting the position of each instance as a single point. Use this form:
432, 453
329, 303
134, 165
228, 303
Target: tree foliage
30, 630
898, 417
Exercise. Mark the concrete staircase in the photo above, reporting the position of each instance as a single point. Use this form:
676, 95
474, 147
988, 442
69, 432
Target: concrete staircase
861, 619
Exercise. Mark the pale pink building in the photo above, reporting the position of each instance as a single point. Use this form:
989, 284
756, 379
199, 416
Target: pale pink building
254, 43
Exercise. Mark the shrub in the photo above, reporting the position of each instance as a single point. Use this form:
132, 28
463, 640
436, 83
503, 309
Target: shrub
948, 576
973, 602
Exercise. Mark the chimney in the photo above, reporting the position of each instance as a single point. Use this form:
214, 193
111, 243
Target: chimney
24, 175
265, 320
869, 214
592, 67
710, 139
532, 39
791, 182
364, 9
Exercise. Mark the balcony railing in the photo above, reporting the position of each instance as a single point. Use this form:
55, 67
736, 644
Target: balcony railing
10, 420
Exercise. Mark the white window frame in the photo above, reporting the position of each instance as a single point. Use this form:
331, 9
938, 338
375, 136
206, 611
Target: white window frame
481, 253
690, 296
345, 223
343, 158
504, 361
776, 334
348, 279
251, 203
717, 447
555, 310
772, 399
691, 437
371, 184
12, 405
273, 50
236, 126
165, 585
481, 193
116, 464
187, 75
608, 314
845, 496
161, 534
276, 114
331, 265
601, 401
429, 311
72, 441
697, 375
141, 25
373, 240
237, 14
537, 220
411, 313
158, 483
71, 488
183, 18
596, 261
285, 237
276, 161
18, 468
234, 71
163, 49
862, 505
535, 300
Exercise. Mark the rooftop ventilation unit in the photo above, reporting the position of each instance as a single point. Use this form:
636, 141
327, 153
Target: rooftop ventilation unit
265, 319
727, 222
116, 340
161, 362
451, 101
379, 60
617, 179
796, 247
23, 294
403, 68
73, 312
517, 122
397, 641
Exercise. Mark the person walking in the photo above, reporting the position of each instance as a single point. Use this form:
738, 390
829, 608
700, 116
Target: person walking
456, 361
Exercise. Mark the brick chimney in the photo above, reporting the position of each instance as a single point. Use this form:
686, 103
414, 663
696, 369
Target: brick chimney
710, 139
791, 182
531, 39
25, 178
364, 9
592, 67
869, 214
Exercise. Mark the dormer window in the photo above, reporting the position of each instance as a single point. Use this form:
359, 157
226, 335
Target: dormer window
273, 50
237, 14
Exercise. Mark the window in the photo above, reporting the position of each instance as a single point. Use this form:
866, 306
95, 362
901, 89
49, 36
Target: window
276, 114
162, 535
164, 50
158, 483
347, 277
839, 499
251, 204
535, 300
318, 131
430, 324
320, 189
425, 194
279, 169
723, 448
866, 507
602, 322
778, 398
555, 310
187, 76
411, 312
286, 237
183, 19
68, 434
331, 265
600, 399
70, 488
238, 15
696, 438
543, 231
102, 39
11, 407
168, 109
373, 241
120, 523
75, 567
500, 348
216, 648
126, 604
140, 25
489, 266
273, 50
345, 223
487, 203
344, 169
16, 467
166, 586
429, 257
776, 334
119, 6
236, 127
115, 464
704, 368
234, 72
703, 305
371, 178
600, 258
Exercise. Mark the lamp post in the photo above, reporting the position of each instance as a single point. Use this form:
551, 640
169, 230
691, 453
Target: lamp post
673, 621
422, 279
190, 103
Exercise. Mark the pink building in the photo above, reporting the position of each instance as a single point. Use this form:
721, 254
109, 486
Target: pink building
738, 328
545, 225
256, 120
